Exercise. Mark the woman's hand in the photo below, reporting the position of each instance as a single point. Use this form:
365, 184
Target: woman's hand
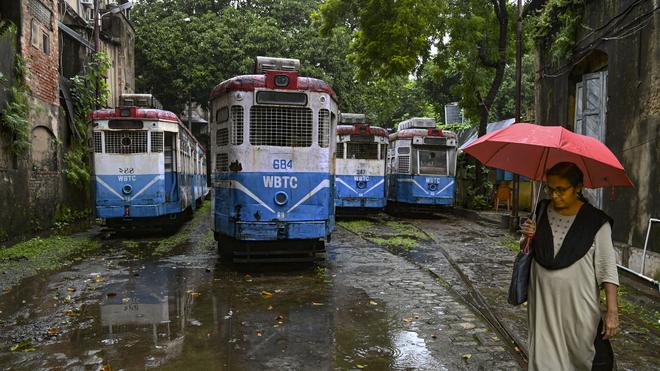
528, 228
610, 324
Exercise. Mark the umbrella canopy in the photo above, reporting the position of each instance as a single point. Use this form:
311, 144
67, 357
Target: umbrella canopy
530, 150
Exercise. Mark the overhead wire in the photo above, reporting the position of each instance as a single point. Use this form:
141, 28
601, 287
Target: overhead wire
624, 31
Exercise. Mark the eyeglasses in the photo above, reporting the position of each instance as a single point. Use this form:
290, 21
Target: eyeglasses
558, 190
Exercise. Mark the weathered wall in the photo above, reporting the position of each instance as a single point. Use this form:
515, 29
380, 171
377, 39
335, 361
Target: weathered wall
120, 48
633, 105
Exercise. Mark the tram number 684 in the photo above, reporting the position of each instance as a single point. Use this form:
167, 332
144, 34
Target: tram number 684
282, 164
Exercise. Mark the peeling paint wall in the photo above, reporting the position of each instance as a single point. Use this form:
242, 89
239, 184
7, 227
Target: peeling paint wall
633, 105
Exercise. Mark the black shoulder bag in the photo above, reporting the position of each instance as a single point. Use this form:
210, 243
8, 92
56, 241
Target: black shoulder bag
521, 267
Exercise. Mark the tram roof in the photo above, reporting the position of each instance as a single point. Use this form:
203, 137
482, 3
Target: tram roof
410, 133
252, 82
137, 113
358, 129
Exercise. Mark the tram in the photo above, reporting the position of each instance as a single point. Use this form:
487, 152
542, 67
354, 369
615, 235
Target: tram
422, 166
360, 174
147, 165
273, 174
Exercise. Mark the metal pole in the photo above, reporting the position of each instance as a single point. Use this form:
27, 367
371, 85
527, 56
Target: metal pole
189, 111
516, 178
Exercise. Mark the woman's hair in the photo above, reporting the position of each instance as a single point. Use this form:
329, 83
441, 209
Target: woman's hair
570, 172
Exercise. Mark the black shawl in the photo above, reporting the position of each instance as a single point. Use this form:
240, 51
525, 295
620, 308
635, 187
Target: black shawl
577, 242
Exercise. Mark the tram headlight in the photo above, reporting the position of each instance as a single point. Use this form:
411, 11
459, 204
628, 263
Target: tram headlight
281, 198
433, 187
281, 80
127, 189
361, 184
126, 141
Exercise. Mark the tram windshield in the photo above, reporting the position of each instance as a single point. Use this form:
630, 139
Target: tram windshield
433, 161
364, 151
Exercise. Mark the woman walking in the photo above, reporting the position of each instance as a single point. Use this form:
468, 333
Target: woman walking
573, 260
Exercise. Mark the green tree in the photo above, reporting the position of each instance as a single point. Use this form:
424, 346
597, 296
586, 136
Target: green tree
473, 40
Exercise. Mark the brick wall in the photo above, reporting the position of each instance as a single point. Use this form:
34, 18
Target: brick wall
39, 43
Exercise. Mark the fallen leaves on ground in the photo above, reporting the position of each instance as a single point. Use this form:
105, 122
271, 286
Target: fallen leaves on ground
279, 291
317, 304
71, 289
52, 331
265, 294
259, 333
73, 313
467, 356
23, 346
372, 302
196, 294
6, 290
279, 319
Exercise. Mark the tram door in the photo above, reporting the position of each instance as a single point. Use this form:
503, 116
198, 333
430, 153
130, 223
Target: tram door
171, 189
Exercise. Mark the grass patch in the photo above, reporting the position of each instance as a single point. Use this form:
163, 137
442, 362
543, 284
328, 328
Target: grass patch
395, 241
357, 226
510, 242
407, 230
168, 244
46, 253
637, 313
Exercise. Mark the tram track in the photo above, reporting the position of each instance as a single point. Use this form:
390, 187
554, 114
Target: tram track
474, 298
468, 293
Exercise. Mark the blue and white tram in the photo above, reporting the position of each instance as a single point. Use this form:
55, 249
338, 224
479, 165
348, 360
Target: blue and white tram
273, 140
147, 164
360, 174
422, 166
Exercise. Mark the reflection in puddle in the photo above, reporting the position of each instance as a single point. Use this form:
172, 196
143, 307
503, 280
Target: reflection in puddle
412, 352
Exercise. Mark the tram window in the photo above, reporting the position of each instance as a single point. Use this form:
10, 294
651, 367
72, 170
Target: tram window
222, 162
383, 151
432, 162
340, 150
222, 137
98, 147
221, 115
156, 141
236, 125
365, 151
280, 126
324, 128
403, 150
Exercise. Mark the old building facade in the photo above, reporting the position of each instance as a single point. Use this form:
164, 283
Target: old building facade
55, 39
610, 89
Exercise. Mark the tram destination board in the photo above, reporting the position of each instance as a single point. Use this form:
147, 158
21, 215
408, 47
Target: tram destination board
362, 138
436, 141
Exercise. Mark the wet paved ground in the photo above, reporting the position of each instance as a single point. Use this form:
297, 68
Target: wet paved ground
372, 305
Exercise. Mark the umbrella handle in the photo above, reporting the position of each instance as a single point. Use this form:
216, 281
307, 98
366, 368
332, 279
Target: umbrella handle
526, 247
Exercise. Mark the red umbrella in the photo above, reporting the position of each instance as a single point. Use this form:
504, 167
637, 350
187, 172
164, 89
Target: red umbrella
530, 150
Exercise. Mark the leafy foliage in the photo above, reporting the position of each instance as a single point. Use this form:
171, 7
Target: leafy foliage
89, 91
14, 118
555, 27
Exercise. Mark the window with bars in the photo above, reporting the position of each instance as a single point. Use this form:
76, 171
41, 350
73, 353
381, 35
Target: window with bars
98, 142
128, 141
156, 141
324, 128
340, 150
222, 137
222, 162
365, 151
404, 165
281, 126
237, 125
